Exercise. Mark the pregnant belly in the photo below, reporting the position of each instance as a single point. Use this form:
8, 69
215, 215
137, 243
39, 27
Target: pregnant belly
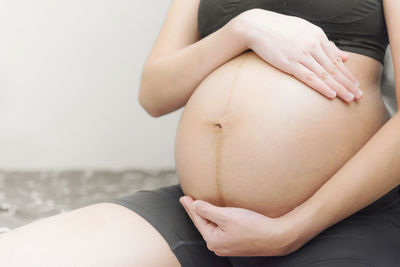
254, 137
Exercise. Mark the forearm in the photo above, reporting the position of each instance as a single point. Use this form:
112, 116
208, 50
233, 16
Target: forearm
370, 174
169, 81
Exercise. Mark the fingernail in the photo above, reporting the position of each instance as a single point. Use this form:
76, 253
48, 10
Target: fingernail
359, 93
331, 93
357, 84
349, 96
195, 203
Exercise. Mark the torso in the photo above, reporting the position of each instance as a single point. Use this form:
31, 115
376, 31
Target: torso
254, 137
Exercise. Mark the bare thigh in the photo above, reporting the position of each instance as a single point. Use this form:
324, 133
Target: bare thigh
103, 234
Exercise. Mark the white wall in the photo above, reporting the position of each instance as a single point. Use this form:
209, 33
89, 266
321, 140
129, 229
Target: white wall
69, 78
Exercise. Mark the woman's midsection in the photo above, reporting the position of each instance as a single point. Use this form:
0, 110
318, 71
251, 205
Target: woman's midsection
254, 137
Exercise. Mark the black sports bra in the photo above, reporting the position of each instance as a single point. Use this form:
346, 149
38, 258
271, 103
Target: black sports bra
353, 25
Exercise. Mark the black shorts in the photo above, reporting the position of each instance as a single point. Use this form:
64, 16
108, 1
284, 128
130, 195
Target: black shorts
369, 237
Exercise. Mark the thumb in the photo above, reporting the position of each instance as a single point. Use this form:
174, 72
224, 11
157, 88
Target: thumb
210, 212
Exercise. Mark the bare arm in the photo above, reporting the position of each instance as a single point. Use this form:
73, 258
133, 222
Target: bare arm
370, 174
178, 62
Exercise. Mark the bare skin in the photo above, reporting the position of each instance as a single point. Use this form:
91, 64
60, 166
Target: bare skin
254, 137
77, 244
104, 234
107, 234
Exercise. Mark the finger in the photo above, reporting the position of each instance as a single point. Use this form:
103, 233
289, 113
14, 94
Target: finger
209, 211
339, 71
185, 201
204, 226
332, 79
344, 55
332, 51
343, 69
346, 77
305, 75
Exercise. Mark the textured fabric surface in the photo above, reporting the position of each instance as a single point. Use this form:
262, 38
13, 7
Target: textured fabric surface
29, 196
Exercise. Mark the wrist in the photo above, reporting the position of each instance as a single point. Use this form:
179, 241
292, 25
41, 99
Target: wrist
302, 224
249, 23
239, 31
